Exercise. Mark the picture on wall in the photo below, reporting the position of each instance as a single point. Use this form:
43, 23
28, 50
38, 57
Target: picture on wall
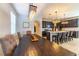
26, 24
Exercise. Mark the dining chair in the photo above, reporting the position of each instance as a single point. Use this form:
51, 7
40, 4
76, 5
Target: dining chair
28, 32
9, 44
45, 35
19, 36
48, 35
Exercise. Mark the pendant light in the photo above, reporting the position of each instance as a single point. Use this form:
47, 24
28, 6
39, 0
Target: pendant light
32, 11
64, 21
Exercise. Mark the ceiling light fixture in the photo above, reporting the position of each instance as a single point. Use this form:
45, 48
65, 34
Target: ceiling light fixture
32, 11
56, 20
64, 21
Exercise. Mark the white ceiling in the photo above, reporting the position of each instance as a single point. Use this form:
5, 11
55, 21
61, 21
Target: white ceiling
21, 8
69, 10
45, 9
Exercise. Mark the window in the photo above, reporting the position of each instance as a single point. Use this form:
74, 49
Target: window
13, 23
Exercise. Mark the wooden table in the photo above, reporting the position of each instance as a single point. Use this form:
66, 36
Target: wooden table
42, 47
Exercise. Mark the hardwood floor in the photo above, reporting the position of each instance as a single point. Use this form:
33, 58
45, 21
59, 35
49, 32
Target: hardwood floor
72, 45
41, 47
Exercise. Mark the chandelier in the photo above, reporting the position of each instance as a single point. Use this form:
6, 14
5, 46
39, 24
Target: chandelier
32, 11
56, 20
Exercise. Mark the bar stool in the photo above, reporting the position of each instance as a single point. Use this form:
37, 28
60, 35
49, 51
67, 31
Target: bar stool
59, 37
54, 37
64, 37
68, 33
70, 36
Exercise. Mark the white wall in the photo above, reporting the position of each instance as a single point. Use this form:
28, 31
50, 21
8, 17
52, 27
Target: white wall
40, 23
5, 23
19, 22
22, 19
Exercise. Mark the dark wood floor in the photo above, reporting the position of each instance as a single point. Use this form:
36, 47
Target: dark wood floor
42, 47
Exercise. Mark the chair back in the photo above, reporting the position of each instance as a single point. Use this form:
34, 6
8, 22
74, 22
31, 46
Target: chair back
8, 44
19, 35
28, 33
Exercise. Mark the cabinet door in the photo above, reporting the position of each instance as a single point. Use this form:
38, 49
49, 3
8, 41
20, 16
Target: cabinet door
71, 23
43, 24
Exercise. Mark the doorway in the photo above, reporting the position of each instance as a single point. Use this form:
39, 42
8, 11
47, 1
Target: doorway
37, 27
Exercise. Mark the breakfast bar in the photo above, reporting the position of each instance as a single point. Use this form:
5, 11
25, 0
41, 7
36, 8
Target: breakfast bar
55, 33
62, 31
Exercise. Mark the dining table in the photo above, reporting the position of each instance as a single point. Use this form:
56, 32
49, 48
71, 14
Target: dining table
40, 47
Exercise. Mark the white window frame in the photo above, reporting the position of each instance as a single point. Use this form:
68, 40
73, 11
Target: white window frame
13, 23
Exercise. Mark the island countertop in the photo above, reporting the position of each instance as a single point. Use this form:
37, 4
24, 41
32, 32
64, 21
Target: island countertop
57, 31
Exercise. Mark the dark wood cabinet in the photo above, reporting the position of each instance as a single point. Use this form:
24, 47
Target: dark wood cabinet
46, 24
43, 24
71, 23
